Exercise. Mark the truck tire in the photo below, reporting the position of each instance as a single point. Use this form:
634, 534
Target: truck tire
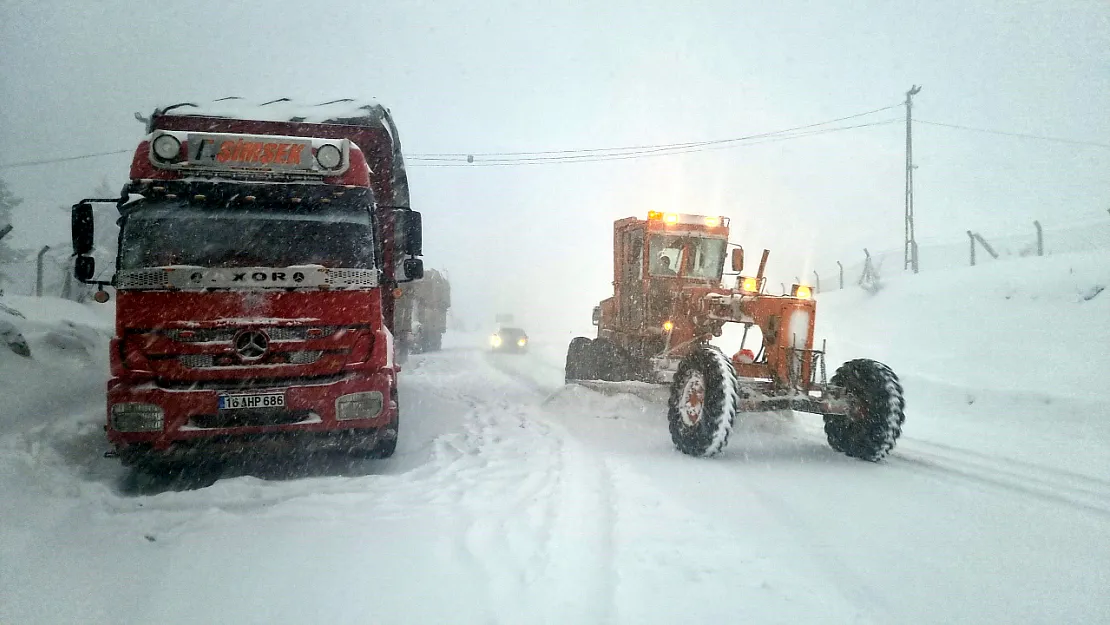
152, 477
876, 411
385, 447
702, 407
578, 361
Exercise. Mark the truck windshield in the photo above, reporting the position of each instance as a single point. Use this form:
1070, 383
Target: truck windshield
173, 232
687, 256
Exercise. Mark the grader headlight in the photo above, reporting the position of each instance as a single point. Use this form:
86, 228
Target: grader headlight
668, 325
801, 291
749, 285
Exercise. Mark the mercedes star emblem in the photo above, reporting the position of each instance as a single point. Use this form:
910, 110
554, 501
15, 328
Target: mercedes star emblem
251, 345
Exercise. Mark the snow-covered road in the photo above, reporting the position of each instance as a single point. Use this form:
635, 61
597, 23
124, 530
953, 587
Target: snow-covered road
515, 500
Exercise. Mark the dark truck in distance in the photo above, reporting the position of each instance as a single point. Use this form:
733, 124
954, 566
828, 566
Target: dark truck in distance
260, 252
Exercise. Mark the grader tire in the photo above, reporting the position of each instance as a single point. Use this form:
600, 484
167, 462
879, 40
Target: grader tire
876, 411
579, 360
703, 403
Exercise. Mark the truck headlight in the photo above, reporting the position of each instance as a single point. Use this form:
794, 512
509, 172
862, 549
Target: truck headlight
495, 341
329, 156
137, 417
521, 342
359, 406
166, 148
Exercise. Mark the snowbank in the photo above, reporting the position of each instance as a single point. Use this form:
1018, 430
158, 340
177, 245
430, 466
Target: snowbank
1015, 352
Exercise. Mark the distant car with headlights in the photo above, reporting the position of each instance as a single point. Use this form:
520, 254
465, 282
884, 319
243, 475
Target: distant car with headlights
509, 340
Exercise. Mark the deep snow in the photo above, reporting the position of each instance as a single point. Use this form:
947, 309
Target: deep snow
514, 499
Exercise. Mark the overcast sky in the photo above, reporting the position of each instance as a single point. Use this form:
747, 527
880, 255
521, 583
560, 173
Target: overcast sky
488, 77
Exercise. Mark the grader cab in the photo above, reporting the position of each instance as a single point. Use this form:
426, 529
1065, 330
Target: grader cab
669, 303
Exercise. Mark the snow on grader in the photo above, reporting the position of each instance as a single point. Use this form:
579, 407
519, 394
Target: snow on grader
669, 304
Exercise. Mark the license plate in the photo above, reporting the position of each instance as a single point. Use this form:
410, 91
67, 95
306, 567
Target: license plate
265, 400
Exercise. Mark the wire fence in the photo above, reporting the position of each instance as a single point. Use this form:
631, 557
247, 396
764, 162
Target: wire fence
975, 249
49, 272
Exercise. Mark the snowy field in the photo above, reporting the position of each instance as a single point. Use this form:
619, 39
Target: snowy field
514, 499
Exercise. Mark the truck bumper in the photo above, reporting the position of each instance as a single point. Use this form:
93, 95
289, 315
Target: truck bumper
194, 426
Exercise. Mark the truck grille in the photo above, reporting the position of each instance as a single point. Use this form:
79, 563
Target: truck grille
226, 335
215, 361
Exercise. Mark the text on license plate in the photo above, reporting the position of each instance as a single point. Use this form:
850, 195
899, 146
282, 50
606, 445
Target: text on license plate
268, 400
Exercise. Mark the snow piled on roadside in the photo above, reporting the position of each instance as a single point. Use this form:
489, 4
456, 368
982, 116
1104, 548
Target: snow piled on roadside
1011, 357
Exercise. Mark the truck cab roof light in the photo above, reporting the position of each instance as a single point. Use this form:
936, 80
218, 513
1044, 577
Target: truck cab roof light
674, 219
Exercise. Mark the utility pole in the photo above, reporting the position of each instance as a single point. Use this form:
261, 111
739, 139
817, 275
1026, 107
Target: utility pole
911, 240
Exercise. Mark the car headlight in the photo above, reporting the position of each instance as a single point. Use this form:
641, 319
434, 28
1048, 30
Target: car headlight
137, 417
359, 406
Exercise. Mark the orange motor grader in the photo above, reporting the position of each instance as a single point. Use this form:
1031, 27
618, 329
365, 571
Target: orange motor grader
669, 303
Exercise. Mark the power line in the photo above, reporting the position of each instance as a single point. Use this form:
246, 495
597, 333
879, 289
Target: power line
456, 155
593, 158
605, 153
1016, 134
49, 161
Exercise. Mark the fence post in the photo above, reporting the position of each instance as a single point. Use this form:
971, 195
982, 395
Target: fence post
839, 264
38, 271
986, 246
1040, 238
816, 283
67, 286
971, 238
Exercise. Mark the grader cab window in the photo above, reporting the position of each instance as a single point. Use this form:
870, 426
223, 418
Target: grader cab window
687, 257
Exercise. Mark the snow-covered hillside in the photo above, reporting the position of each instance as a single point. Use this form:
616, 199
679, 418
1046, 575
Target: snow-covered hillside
514, 499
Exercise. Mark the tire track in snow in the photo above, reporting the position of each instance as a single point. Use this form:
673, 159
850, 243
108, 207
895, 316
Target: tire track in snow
538, 509
1024, 483
1047, 484
1092, 481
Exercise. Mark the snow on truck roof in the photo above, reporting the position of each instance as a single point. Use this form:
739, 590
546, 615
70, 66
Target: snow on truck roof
343, 111
347, 111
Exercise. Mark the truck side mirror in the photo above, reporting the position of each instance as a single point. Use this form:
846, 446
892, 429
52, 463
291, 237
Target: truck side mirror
408, 229
81, 228
414, 234
84, 267
414, 268
738, 259
596, 317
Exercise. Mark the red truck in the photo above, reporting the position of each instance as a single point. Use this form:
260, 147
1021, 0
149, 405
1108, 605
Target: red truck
260, 252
